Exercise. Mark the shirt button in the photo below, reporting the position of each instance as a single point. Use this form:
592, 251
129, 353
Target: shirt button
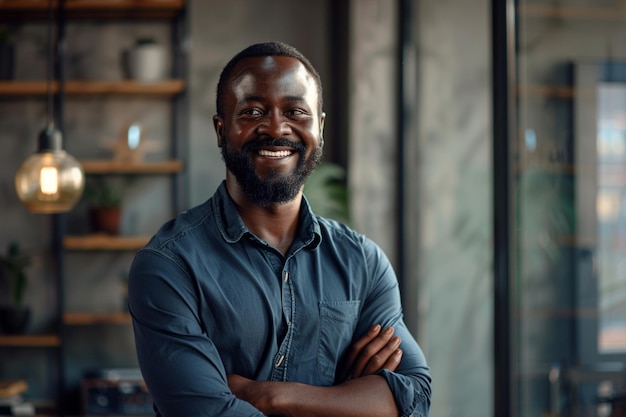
279, 361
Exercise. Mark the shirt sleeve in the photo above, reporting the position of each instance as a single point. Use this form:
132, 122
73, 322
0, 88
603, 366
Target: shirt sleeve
180, 364
410, 383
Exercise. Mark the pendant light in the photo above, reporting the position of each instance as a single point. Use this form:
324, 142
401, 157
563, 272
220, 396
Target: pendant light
50, 180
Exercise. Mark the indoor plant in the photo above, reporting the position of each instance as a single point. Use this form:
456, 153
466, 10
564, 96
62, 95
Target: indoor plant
15, 316
327, 193
105, 204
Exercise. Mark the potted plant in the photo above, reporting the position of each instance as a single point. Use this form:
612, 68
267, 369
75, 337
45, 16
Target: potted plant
105, 205
15, 316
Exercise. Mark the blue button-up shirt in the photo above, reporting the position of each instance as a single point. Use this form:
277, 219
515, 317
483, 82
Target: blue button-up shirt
208, 298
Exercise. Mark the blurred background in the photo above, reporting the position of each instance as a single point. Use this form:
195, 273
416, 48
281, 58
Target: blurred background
481, 143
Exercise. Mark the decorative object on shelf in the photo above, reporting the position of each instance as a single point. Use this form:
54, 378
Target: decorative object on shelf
130, 149
105, 204
15, 316
116, 395
147, 61
12, 401
12, 387
51, 180
7, 54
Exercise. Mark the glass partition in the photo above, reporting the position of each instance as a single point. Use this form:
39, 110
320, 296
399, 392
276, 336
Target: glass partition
569, 208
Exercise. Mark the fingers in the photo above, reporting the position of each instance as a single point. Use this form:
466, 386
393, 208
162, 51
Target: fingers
394, 358
378, 353
356, 349
345, 371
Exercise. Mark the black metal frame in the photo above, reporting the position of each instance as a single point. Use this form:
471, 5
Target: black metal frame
503, 82
59, 220
180, 146
180, 35
404, 41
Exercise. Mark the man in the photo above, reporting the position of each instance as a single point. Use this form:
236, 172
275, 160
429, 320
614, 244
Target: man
251, 305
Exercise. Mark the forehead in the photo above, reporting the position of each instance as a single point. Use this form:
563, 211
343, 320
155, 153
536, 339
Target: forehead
272, 75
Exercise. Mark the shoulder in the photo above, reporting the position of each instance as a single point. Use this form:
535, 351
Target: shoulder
175, 241
346, 238
184, 226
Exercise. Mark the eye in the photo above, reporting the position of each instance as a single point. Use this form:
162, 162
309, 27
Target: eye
296, 112
252, 112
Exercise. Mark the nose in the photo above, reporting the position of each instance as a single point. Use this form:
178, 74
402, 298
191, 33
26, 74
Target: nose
275, 125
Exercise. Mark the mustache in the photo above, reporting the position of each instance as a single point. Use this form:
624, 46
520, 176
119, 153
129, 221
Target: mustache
268, 141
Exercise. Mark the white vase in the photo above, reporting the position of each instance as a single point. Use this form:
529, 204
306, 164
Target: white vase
147, 63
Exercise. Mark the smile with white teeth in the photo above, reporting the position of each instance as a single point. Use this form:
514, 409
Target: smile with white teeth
274, 154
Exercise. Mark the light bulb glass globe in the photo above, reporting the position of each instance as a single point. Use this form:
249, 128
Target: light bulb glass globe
50, 181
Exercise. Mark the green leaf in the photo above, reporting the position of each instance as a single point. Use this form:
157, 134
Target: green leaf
327, 193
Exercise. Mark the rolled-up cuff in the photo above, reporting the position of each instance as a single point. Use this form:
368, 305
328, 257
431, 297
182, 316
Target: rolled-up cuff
409, 397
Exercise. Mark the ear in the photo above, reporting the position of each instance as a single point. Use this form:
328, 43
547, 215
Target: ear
218, 125
322, 119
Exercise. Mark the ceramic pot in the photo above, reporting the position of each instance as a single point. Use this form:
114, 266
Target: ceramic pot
106, 219
7, 59
14, 320
147, 62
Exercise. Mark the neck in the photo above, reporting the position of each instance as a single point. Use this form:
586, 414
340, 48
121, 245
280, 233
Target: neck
276, 224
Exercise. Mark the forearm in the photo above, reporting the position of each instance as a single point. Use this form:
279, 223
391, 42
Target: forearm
366, 396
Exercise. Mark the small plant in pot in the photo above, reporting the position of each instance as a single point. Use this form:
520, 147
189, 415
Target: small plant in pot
15, 316
105, 205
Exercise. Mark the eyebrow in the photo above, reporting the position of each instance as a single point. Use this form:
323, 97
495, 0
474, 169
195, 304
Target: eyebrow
248, 99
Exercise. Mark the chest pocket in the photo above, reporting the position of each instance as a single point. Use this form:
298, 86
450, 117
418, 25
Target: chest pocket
338, 320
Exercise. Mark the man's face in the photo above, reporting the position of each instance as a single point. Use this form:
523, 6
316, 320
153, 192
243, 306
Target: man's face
271, 130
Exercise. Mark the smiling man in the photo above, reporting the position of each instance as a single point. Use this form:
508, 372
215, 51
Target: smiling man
269, 128
250, 304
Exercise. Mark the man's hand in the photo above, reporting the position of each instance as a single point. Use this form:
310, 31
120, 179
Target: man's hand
357, 391
376, 350
255, 392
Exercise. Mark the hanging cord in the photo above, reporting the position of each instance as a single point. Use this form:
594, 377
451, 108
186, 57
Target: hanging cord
49, 65
50, 139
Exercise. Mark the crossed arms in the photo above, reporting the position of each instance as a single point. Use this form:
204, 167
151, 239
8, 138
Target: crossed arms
362, 393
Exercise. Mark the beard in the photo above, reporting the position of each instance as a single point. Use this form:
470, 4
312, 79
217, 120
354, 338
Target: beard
276, 187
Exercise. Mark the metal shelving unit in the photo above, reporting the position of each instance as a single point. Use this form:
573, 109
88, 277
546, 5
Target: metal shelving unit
174, 13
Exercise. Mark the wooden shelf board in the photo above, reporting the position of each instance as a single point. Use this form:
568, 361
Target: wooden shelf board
104, 242
44, 340
586, 13
85, 88
85, 319
546, 91
92, 9
114, 167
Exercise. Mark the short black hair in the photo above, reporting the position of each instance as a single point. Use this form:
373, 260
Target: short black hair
273, 48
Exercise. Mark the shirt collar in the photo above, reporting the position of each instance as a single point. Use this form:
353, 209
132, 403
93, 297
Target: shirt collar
232, 227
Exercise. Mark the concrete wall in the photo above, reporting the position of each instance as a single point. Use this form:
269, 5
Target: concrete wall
451, 250
448, 299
